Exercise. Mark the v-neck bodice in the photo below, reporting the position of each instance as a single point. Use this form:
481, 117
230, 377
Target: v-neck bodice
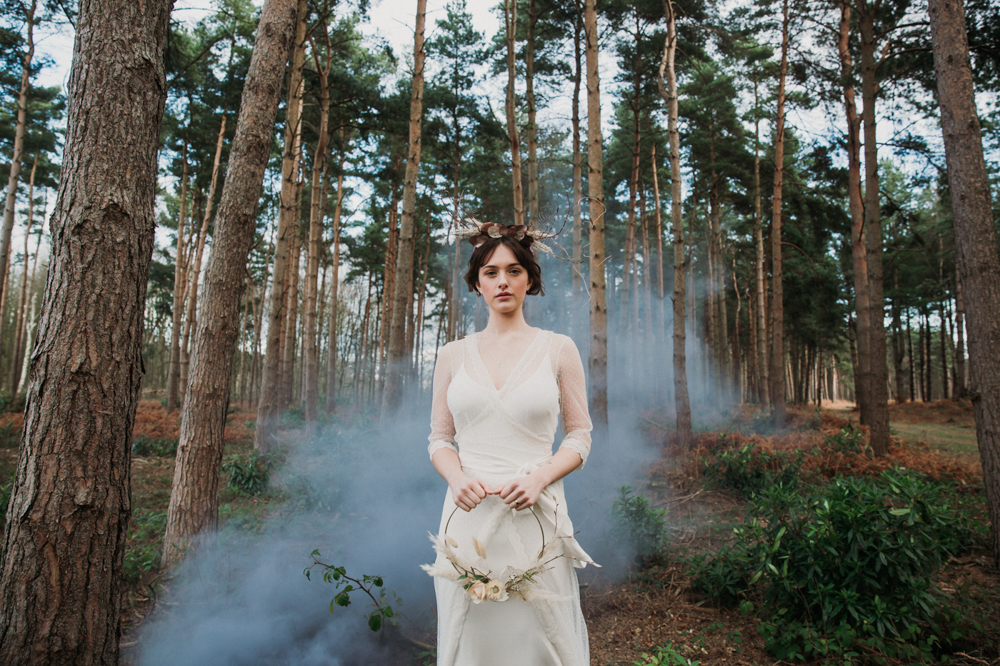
527, 357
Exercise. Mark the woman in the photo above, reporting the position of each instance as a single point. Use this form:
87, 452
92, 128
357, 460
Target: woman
497, 399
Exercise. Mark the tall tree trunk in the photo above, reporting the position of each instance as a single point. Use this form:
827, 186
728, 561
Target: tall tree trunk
960, 383
290, 330
18, 353
942, 339
595, 188
194, 496
879, 435
929, 376
761, 358
15, 161
422, 293
898, 346
909, 345
404, 266
975, 238
389, 268
64, 537
270, 399
532, 128
28, 319
310, 364
668, 91
510, 26
331, 361
658, 331
193, 276
577, 324
174, 372
777, 372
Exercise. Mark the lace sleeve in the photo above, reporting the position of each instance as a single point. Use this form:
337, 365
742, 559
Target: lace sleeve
442, 423
573, 400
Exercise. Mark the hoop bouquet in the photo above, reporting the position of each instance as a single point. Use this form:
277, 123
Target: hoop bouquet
482, 585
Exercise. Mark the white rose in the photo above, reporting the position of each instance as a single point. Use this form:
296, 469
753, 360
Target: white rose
478, 592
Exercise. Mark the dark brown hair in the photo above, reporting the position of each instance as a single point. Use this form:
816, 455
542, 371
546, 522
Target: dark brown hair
524, 256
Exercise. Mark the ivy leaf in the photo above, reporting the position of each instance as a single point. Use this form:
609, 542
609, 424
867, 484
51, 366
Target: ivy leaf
375, 622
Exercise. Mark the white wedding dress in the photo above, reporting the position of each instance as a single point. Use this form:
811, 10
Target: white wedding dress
501, 434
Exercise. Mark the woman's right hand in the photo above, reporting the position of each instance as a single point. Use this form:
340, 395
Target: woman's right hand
469, 492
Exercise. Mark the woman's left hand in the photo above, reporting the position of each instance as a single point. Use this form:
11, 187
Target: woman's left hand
522, 492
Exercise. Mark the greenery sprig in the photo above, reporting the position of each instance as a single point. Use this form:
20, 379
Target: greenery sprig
337, 576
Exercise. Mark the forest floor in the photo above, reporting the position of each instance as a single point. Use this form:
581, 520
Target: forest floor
658, 607
654, 616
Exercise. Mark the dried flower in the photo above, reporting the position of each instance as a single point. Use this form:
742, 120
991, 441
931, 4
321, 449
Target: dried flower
496, 591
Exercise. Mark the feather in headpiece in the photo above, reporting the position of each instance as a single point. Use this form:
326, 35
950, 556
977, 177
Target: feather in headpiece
478, 232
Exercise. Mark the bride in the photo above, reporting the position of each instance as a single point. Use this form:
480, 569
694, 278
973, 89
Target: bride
497, 399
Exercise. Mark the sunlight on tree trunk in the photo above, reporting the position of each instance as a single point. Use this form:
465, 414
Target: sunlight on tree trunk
595, 189
668, 90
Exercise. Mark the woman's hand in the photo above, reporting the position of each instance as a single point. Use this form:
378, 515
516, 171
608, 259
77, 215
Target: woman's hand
522, 492
469, 492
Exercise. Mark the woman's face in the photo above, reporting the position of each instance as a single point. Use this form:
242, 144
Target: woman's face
503, 282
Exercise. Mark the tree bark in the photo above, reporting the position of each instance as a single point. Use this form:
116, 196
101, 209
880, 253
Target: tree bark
510, 26
310, 365
975, 238
862, 300
270, 401
595, 188
194, 496
878, 434
532, 128
777, 371
174, 372
393, 397
331, 361
17, 355
289, 335
960, 382
15, 161
659, 328
191, 317
761, 358
64, 538
576, 316
668, 91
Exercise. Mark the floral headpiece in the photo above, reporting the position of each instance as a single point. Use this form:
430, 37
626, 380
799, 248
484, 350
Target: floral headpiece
478, 232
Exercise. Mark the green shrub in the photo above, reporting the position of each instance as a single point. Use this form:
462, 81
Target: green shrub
147, 446
849, 440
11, 403
638, 525
750, 469
10, 437
854, 557
250, 475
142, 553
665, 655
